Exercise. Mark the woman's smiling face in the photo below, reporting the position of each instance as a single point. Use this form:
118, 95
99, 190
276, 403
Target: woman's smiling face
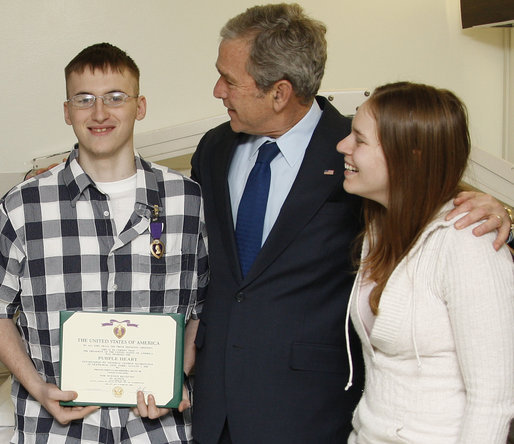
366, 171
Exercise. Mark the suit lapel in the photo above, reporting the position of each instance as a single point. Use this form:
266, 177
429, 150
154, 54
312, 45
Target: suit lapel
322, 170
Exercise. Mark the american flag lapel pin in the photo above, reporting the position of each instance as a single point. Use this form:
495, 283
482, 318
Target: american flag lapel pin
328, 172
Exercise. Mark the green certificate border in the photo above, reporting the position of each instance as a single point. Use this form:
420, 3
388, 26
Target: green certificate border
179, 356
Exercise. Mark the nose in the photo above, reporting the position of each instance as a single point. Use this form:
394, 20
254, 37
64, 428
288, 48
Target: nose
100, 111
219, 89
345, 146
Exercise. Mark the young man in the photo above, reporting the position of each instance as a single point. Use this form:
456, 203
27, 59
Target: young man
272, 363
79, 237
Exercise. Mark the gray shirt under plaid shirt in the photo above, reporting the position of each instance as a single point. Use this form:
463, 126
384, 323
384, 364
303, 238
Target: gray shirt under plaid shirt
59, 250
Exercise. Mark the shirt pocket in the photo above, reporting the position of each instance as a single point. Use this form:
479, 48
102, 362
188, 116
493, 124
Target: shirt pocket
173, 260
161, 284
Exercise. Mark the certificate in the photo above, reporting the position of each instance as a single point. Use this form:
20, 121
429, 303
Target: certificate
107, 357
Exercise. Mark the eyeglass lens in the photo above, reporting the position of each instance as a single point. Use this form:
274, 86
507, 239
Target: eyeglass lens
110, 99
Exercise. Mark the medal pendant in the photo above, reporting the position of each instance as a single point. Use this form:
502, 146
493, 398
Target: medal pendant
157, 248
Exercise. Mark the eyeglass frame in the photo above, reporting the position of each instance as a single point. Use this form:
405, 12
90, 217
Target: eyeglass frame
118, 93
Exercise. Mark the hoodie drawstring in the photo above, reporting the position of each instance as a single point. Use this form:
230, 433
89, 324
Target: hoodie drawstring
347, 338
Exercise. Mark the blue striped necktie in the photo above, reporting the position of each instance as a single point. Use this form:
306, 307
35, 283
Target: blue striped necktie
252, 208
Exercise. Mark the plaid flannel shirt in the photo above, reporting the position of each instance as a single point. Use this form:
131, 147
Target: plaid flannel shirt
59, 250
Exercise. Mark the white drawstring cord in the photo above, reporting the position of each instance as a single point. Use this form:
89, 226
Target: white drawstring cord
347, 337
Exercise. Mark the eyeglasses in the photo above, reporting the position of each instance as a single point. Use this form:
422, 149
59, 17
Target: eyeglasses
112, 99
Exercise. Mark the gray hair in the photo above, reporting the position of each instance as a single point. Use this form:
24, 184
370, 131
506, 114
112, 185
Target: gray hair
285, 44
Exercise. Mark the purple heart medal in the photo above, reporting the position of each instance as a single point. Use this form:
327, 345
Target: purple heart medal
156, 247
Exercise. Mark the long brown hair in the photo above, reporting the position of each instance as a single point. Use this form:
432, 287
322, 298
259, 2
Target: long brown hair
424, 134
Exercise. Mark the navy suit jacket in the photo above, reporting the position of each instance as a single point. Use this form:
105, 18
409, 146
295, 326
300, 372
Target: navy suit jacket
271, 352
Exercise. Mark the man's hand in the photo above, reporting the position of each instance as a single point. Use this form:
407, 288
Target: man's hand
186, 401
14, 355
483, 207
151, 410
49, 396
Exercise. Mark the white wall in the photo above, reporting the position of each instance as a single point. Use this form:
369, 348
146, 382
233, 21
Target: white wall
175, 45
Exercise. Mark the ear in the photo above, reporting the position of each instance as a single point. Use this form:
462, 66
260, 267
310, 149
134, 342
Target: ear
67, 113
282, 92
141, 108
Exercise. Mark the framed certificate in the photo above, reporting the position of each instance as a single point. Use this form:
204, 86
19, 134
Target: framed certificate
107, 357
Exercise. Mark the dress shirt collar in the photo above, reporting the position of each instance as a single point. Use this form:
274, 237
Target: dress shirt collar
293, 144
147, 192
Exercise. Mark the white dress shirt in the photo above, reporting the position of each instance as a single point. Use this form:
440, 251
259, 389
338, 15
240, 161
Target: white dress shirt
284, 168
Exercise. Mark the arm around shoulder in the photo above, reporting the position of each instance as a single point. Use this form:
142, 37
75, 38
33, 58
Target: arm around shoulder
482, 208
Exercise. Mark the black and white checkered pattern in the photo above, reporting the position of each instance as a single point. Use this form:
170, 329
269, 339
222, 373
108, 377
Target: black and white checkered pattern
59, 251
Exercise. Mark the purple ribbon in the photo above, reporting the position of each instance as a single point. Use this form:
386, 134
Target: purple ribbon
127, 321
156, 230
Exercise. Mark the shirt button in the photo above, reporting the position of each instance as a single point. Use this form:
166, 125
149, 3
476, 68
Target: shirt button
106, 213
114, 287
240, 296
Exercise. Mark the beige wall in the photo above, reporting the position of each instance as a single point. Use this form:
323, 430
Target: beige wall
175, 45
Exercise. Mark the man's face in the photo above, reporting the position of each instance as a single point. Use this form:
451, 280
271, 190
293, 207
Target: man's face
250, 109
104, 132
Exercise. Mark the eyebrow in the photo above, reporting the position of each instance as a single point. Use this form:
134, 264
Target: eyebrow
108, 92
226, 75
359, 133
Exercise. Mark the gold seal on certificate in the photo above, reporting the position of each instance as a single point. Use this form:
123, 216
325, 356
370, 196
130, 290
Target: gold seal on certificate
107, 357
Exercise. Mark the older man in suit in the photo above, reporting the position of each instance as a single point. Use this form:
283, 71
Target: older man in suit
273, 360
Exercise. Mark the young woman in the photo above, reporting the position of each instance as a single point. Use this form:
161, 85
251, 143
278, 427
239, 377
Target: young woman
433, 305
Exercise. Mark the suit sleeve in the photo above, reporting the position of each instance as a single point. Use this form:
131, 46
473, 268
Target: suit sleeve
195, 161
